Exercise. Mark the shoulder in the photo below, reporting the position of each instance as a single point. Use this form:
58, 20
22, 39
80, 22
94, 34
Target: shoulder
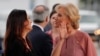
43, 37
82, 33
48, 32
83, 36
35, 33
15, 49
46, 36
14, 45
13, 41
39, 35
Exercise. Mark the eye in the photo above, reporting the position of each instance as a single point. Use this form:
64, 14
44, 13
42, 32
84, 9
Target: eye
59, 15
53, 17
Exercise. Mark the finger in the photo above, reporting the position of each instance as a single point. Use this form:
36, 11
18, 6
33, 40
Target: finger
63, 25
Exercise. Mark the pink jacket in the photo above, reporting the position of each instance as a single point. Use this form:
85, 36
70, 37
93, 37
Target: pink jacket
78, 44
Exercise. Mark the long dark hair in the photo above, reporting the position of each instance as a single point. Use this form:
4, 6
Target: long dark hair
14, 27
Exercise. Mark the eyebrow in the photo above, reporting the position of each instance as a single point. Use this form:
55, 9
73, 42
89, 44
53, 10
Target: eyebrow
59, 15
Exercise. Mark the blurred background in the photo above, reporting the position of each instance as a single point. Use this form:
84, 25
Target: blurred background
88, 9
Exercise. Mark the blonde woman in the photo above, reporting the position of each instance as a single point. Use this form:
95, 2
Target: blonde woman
73, 42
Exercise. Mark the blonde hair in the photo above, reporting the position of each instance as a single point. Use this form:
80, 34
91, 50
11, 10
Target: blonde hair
73, 14
59, 7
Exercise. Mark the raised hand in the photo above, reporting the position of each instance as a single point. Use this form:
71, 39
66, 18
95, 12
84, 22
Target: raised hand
62, 23
63, 30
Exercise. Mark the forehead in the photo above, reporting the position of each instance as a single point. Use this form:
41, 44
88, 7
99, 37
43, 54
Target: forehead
55, 14
60, 7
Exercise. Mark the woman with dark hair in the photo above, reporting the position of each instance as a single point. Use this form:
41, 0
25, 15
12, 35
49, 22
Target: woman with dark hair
55, 30
16, 42
56, 33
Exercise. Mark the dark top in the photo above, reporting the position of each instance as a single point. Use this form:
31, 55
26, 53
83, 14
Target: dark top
41, 42
48, 27
16, 48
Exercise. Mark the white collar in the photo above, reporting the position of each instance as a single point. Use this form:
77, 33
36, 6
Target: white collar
39, 26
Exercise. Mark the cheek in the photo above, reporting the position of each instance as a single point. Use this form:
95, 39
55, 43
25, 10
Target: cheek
52, 21
29, 26
68, 22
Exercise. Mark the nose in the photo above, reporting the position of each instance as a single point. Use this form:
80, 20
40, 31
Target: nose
31, 23
56, 18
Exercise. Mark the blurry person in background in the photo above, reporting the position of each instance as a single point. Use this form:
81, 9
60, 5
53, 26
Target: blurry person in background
16, 42
48, 26
97, 34
73, 42
54, 32
41, 42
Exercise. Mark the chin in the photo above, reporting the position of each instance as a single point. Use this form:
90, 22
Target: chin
29, 29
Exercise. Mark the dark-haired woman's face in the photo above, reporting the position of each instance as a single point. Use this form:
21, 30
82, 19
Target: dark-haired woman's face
53, 19
28, 24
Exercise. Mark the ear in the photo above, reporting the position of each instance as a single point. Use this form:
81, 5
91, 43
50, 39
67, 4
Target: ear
47, 19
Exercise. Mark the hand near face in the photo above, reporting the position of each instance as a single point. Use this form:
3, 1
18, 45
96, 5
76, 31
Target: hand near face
62, 23
61, 18
63, 30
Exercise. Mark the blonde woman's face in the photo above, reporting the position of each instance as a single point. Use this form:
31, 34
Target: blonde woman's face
63, 18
